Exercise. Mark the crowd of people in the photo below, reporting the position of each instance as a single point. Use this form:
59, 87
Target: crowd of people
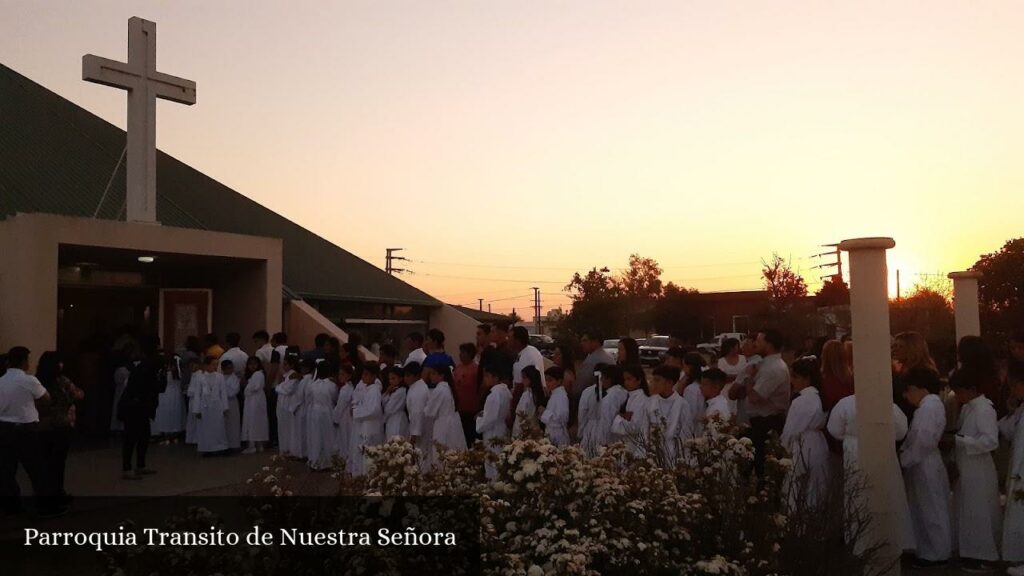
327, 403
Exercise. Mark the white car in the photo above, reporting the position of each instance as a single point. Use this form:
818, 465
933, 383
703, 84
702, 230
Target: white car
715, 345
612, 348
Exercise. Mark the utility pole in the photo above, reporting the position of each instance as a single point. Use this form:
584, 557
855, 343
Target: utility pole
488, 307
536, 309
837, 263
481, 300
898, 285
389, 267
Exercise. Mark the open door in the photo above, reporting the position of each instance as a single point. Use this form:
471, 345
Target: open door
184, 313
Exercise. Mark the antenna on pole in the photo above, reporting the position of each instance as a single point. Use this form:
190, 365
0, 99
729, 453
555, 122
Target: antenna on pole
837, 263
389, 266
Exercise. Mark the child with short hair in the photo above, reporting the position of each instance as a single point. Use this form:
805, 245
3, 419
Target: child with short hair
322, 393
555, 415
804, 438
421, 427
630, 425
923, 469
368, 417
396, 421
285, 389
441, 403
976, 493
689, 388
233, 420
1012, 428
255, 424
718, 413
210, 408
668, 412
492, 422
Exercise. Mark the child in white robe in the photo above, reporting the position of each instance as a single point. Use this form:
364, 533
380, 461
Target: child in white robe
611, 404
421, 427
977, 515
255, 424
233, 420
587, 417
170, 409
343, 423
923, 469
285, 389
689, 389
664, 409
555, 415
299, 402
1012, 428
210, 407
441, 404
320, 435
804, 437
396, 420
492, 423
718, 413
368, 416
530, 400
630, 425
191, 418
842, 425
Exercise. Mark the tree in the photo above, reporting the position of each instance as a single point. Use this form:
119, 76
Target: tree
596, 303
834, 292
928, 312
785, 286
678, 312
1001, 288
641, 286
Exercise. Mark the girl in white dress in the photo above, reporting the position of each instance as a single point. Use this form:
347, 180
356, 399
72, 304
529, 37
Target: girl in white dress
733, 364
299, 405
842, 425
587, 417
233, 420
611, 404
555, 415
421, 428
441, 404
343, 423
492, 423
396, 420
1012, 428
630, 425
923, 469
531, 399
285, 389
255, 425
803, 436
368, 416
170, 409
320, 435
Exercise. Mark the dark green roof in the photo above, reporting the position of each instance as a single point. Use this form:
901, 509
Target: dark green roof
57, 157
479, 315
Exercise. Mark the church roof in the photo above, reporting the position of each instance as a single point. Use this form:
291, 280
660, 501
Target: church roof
57, 157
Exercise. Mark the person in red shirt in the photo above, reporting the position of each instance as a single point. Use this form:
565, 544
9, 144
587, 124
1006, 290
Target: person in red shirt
836, 375
467, 390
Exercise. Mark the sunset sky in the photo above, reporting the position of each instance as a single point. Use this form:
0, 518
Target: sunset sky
508, 144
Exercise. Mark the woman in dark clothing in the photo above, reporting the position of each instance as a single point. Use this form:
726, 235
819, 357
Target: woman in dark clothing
56, 419
136, 408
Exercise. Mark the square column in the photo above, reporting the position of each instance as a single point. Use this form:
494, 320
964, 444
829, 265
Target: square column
872, 361
966, 311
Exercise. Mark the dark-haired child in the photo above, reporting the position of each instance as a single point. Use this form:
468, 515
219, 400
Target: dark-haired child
555, 415
396, 421
630, 425
718, 412
804, 437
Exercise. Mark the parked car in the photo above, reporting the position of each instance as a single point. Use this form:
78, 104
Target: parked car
715, 344
653, 350
611, 346
544, 343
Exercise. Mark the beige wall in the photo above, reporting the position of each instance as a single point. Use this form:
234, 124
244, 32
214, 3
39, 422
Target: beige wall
303, 323
29, 262
458, 328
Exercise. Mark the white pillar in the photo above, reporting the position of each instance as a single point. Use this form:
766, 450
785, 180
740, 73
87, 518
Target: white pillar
965, 303
869, 308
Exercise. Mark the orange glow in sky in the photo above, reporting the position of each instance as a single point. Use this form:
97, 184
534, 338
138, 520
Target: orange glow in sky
505, 145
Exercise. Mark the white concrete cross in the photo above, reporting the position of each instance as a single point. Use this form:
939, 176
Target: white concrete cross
144, 85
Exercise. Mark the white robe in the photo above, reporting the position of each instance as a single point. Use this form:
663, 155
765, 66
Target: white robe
556, 417
493, 422
665, 414
608, 409
447, 424
297, 405
976, 494
632, 432
1012, 428
191, 419
320, 436
420, 425
343, 431
285, 390
233, 420
717, 415
368, 416
695, 401
211, 405
526, 411
842, 425
255, 425
927, 481
586, 420
396, 420
170, 408
804, 438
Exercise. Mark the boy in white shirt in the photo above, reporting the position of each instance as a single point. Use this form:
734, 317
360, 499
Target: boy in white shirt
718, 413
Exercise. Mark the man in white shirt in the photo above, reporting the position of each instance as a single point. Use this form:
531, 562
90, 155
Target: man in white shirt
526, 355
417, 354
235, 354
769, 394
19, 434
264, 350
